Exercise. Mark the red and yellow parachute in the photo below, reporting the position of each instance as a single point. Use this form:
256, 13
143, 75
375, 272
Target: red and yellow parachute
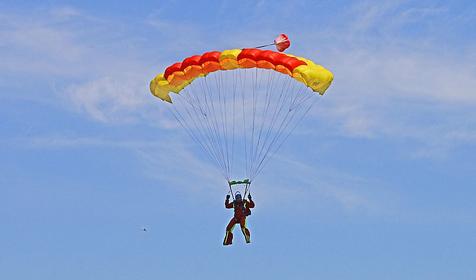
179, 75
240, 118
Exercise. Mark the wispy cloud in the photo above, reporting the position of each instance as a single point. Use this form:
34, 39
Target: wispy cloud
64, 12
391, 85
83, 62
166, 159
381, 80
120, 98
323, 187
37, 47
170, 163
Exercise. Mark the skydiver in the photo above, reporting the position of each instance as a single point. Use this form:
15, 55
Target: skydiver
241, 210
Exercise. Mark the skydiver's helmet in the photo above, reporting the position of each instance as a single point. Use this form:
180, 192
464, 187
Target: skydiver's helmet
238, 196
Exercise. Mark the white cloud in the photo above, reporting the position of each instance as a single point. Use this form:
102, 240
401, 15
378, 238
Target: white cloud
169, 159
392, 86
402, 95
111, 99
377, 77
65, 12
90, 72
174, 163
33, 47
370, 13
322, 187
166, 159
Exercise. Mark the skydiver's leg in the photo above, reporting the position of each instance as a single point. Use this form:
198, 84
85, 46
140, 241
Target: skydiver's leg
229, 232
245, 230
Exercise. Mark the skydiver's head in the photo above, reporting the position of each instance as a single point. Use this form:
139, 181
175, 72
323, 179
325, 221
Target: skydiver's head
238, 196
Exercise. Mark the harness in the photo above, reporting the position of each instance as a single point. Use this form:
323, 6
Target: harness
245, 211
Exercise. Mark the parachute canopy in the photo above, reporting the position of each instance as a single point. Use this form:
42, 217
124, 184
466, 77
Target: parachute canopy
241, 117
179, 75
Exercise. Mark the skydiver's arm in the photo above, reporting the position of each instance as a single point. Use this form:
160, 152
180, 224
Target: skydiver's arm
227, 202
251, 203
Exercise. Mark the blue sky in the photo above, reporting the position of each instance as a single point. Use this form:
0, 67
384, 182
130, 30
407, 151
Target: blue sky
377, 183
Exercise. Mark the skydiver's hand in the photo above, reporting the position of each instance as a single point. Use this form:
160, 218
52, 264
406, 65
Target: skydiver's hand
249, 196
227, 197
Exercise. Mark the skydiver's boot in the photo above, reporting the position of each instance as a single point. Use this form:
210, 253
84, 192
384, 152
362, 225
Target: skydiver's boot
246, 233
228, 238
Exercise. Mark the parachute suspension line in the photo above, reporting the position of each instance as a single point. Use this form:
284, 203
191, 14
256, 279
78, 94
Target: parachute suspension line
274, 117
249, 92
278, 133
202, 127
305, 111
189, 131
244, 122
265, 103
233, 120
231, 191
262, 46
216, 119
188, 95
269, 88
247, 190
300, 99
206, 140
213, 132
199, 127
271, 103
215, 123
221, 124
254, 88
266, 107
278, 139
225, 125
285, 138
